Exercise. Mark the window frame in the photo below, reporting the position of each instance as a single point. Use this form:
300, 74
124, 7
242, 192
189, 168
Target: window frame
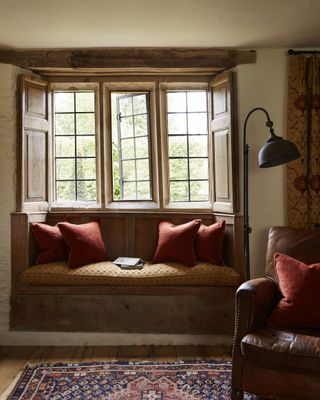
76, 204
156, 84
122, 87
181, 205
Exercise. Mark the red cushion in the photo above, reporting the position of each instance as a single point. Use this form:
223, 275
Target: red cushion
300, 286
51, 243
176, 242
208, 243
85, 242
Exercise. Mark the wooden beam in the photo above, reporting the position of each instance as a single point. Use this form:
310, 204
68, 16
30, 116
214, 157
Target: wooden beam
128, 58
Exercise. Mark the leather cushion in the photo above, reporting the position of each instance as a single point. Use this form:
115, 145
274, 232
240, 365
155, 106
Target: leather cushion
286, 348
208, 243
176, 242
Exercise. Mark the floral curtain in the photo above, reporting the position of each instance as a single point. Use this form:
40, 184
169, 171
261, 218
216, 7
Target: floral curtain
303, 128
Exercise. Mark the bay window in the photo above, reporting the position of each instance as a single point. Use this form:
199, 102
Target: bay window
113, 144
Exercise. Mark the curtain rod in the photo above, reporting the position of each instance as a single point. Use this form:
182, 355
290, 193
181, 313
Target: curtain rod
292, 52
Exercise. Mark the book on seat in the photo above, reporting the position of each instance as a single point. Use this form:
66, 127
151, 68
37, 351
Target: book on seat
129, 262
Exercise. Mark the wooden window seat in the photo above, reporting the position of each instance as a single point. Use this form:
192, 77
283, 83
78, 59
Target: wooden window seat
160, 298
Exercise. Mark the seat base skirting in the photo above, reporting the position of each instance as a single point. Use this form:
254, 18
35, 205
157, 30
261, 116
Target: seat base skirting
202, 310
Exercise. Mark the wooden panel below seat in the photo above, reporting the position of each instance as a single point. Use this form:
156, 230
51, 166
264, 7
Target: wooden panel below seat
201, 313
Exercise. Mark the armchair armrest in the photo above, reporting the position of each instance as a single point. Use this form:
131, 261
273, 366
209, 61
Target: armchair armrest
254, 301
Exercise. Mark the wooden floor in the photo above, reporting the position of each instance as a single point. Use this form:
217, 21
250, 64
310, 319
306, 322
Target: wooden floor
13, 359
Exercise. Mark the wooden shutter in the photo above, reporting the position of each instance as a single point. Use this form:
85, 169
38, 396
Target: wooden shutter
224, 141
35, 145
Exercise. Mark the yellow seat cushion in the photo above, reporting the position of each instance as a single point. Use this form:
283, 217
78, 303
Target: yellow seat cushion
107, 273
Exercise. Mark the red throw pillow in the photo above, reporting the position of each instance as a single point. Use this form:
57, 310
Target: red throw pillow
51, 243
208, 243
300, 286
176, 242
85, 242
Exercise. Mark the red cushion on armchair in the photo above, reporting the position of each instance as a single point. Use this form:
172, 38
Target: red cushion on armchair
300, 287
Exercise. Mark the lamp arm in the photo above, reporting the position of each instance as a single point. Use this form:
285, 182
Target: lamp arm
246, 227
269, 123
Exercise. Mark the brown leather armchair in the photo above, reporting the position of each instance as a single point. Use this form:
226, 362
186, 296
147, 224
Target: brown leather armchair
272, 362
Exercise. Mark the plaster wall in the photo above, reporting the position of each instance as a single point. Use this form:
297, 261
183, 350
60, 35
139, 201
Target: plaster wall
261, 84
8, 80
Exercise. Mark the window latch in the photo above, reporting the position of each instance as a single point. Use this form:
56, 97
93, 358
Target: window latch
119, 116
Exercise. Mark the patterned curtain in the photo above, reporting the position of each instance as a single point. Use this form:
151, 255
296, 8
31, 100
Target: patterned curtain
303, 128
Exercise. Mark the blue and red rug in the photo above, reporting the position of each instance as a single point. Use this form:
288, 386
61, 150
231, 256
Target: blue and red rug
126, 381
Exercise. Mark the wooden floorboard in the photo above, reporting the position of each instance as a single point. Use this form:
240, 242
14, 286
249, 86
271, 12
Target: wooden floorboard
14, 359
163, 353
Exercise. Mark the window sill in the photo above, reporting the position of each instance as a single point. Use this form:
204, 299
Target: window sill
189, 206
72, 205
132, 205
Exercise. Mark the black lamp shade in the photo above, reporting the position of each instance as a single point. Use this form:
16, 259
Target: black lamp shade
277, 151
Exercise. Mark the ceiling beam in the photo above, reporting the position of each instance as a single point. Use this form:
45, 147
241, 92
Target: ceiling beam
115, 58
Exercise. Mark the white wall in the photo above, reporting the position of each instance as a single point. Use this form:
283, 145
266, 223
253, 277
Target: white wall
261, 84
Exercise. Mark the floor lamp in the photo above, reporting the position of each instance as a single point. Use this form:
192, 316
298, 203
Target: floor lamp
276, 151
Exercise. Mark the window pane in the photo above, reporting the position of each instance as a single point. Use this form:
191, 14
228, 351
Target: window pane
65, 146
187, 144
85, 124
129, 170
177, 124
86, 168
143, 190
65, 169
198, 146
86, 146
64, 124
142, 147
197, 101
141, 125
75, 156
198, 168
129, 190
178, 146
140, 104
176, 101
86, 191
199, 190
64, 102
130, 159
85, 102
125, 106
197, 123
179, 191
178, 169
126, 127
65, 191
143, 170
127, 146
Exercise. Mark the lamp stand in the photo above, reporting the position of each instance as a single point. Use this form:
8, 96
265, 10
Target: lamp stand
276, 151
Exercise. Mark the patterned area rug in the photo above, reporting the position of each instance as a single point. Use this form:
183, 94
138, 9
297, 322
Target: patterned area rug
126, 381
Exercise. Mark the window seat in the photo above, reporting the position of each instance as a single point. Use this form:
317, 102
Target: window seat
107, 273
161, 298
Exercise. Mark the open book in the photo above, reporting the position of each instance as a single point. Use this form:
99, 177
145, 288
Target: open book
129, 262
